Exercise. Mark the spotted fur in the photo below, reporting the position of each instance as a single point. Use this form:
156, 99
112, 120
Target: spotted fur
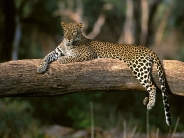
77, 48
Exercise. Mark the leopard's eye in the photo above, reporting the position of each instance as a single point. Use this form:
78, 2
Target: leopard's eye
75, 33
65, 30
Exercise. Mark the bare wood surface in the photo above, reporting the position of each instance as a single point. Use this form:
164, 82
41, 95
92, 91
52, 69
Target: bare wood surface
19, 78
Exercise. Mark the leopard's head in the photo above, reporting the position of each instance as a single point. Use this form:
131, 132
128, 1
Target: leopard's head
72, 32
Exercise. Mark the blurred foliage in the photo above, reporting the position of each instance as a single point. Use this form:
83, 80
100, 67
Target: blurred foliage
67, 110
16, 120
41, 33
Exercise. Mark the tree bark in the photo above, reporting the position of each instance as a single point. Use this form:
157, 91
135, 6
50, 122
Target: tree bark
19, 78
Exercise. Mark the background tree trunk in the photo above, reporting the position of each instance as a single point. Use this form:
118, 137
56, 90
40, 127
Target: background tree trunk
19, 78
9, 11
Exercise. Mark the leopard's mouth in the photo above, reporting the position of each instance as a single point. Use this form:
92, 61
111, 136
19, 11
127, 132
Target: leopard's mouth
68, 44
71, 43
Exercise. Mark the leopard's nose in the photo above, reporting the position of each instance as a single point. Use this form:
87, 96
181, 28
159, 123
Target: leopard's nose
69, 38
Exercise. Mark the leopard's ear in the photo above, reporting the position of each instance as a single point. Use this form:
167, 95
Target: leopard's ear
80, 25
63, 24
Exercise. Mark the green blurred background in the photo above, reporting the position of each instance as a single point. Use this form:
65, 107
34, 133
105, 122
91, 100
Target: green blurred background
30, 29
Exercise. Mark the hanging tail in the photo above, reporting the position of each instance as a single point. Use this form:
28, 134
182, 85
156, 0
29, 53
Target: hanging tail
164, 88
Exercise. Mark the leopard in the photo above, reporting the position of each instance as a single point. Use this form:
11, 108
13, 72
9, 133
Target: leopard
75, 47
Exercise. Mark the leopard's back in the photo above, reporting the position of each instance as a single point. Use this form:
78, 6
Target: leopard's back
125, 52
140, 59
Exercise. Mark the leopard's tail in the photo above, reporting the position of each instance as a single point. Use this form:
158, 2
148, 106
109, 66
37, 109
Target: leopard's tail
164, 87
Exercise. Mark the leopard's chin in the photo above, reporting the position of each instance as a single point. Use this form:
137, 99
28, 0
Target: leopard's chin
69, 44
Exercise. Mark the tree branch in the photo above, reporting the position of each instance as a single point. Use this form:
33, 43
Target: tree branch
19, 78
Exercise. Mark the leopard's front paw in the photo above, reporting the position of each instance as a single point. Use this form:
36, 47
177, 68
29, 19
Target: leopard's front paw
42, 68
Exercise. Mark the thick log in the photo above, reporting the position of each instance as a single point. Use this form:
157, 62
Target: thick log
19, 78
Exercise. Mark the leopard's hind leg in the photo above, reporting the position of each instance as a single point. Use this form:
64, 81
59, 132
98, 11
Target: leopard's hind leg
141, 68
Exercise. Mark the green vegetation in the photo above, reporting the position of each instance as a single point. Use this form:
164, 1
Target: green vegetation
41, 32
16, 120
